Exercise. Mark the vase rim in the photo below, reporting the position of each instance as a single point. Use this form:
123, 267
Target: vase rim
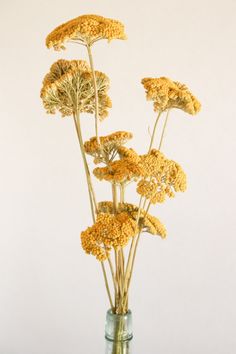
110, 312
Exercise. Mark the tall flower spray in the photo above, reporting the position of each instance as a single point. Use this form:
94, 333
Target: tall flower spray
73, 87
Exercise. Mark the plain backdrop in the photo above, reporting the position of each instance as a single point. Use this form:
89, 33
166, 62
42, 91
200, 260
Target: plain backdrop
52, 295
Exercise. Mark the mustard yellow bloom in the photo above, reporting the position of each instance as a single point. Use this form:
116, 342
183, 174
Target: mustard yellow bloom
168, 94
147, 223
152, 225
156, 175
119, 171
109, 145
161, 177
127, 169
68, 88
61, 67
85, 29
115, 230
108, 231
128, 154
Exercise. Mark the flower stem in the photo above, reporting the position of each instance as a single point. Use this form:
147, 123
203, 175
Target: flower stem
135, 240
133, 259
92, 198
114, 196
132, 247
122, 193
113, 276
95, 92
154, 131
164, 128
107, 285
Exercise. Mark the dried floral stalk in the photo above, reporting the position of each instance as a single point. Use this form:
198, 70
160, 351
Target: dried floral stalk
74, 88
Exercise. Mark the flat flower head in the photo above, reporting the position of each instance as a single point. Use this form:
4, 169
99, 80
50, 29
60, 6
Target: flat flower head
128, 154
68, 88
127, 169
109, 145
61, 67
119, 171
147, 223
115, 230
162, 177
85, 29
168, 94
109, 231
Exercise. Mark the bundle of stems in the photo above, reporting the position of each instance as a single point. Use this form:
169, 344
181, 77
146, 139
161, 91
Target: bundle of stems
73, 87
121, 270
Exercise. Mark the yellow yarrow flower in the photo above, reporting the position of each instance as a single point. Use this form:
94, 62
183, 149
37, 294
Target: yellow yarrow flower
168, 94
85, 29
61, 67
109, 145
119, 171
161, 177
108, 231
129, 154
115, 230
147, 222
68, 88
127, 168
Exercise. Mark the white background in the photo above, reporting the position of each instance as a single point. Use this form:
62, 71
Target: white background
52, 296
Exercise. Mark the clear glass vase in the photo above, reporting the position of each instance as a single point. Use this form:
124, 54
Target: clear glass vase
118, 333
118, 347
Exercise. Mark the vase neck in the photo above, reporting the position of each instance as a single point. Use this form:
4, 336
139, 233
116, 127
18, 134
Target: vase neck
118, 327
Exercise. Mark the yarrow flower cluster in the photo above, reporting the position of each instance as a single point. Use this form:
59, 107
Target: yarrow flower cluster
161, 177
126, 169
168, 94
119, 171
68, 88
115, 230
72, 87
156, 175
86, 29
129, 154
146, 222
108, 231
109, 145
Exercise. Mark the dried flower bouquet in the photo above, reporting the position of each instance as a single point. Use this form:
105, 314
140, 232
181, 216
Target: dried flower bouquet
73, 87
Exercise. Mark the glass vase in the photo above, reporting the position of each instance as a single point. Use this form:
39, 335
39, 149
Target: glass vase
118, 333
118, 347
